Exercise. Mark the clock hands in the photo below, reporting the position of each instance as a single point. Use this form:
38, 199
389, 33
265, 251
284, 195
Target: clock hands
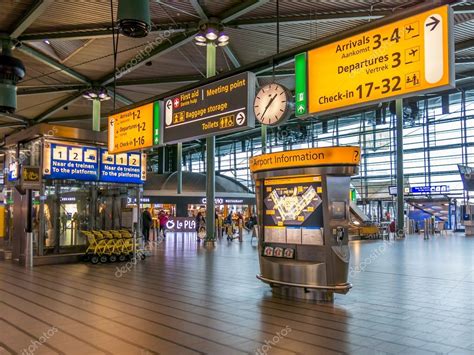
266, 108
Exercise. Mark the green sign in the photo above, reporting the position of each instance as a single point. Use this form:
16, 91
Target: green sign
301, 92
156, 122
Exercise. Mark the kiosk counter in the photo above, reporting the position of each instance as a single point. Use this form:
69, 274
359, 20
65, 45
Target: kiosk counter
303, 212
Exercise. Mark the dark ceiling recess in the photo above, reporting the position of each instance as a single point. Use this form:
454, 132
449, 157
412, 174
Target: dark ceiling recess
134, 18
12, 70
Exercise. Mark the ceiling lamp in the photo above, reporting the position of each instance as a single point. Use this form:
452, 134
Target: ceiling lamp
134, 18
211, 32
99, 93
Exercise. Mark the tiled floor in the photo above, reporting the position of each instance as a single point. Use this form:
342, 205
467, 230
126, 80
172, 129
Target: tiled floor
409, 297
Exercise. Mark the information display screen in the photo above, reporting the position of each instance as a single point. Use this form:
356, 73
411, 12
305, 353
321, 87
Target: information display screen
63, 161
293, 210
122, 168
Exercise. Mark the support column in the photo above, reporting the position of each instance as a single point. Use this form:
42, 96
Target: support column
210, 157
264, 138
400, 197
179, 166
96, 115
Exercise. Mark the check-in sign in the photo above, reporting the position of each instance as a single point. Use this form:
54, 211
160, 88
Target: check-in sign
134, 129
220, 107
413, 55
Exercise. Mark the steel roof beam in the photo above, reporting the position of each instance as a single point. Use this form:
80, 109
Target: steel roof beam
199, 10
48, 90
33, 13
119, 97
241, 9
166, 46
52, 110
43, 58
160, 80
362, 14
232, 56
14, 117
100, 32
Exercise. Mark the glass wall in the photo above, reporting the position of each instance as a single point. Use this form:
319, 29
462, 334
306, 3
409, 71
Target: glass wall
438, 135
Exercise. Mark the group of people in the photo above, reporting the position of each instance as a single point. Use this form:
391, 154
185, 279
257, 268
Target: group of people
227, 223
147, 223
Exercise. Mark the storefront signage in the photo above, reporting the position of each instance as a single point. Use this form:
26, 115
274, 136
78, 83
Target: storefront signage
220, 107
306, 157
436, 189
395, 60
133, 200
181, 224
134, 129
123, 167
62, 161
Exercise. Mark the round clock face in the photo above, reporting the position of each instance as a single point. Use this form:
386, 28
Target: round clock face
271, 105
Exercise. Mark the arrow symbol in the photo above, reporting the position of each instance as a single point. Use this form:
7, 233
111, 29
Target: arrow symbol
168, 104
300, 109
434, 23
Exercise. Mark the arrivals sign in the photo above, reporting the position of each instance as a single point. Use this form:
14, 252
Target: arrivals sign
134, 129
123, 168
220, 107
412, 55
61, 161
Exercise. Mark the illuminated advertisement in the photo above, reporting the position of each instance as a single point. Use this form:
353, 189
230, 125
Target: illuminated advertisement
293, 211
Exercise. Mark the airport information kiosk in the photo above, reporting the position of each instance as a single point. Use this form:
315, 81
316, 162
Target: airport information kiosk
303, 211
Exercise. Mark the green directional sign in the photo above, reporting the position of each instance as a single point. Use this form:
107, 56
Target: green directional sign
301, 91
156, 122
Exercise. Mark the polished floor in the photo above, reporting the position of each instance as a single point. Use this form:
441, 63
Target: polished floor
412, 296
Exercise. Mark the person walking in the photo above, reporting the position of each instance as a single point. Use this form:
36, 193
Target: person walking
147, 221
163, 218
200, 225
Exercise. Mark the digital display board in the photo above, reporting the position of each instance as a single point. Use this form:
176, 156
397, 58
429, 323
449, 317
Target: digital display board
293, 210
415, 54
123, 167
134, 129
220, 107
63, 161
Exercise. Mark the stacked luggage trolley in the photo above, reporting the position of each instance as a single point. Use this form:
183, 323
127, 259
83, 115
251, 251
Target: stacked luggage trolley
110, 246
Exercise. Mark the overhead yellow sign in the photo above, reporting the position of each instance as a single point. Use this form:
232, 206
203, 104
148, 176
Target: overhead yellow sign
306, 158
407, 56
131, 130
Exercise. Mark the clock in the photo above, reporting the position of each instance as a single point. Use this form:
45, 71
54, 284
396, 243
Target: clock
272, 104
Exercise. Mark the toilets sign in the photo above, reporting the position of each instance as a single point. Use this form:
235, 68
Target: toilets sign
220, 107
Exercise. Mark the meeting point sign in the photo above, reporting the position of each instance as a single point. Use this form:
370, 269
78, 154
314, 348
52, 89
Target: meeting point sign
220, 107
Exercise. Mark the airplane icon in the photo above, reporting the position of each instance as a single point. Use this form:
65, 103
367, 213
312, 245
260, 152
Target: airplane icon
413, 52
409, 28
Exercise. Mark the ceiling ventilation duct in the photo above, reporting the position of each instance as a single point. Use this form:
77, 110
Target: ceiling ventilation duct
12, 71
134, 18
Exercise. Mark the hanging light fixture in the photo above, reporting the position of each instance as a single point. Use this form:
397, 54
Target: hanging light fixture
211, 32
96, 93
